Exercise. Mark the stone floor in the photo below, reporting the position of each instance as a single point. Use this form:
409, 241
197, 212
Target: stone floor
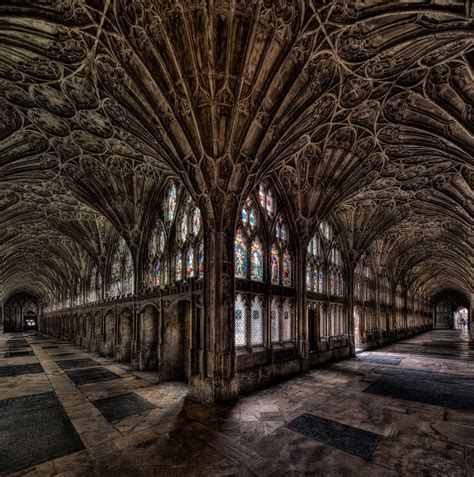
407, 409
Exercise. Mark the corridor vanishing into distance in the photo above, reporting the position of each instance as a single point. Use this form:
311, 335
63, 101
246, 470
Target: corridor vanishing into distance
236, 237
406, 409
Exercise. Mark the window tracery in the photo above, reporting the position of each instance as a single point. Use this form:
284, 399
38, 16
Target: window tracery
262, 239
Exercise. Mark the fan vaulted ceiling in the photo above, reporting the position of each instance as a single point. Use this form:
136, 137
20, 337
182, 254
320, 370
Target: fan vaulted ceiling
358, 110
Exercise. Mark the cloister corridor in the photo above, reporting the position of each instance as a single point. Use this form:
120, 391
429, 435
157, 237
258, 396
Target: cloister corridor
405, 409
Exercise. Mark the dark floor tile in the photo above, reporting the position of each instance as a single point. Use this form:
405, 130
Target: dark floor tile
392, 361
349, 439
34, 429
445, 393
50, 347
15, 354
118, 407
76, 363
91, 375
18, 369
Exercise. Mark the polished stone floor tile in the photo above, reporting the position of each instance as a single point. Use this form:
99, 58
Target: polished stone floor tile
34, 429
17, 354
124, 405
92, 375
76, 363
19, 369
349, 439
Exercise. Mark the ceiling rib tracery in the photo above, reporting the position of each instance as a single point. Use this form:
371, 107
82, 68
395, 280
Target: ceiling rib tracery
362, 111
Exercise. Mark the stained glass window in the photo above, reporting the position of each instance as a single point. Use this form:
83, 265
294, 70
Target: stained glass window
256, 322
179, 266
274, 320
183, 228
275, 265
267, 199
332, 283
287, 320
286, 269
171, 203
257, 260
196, 221
309, 273
252, 218
161, 242
190, 262
240, 322
316, 279
129, 274
240, 256
201, 259
157, 274
116, 283
245, 216
93, 285
321, 281
166, 275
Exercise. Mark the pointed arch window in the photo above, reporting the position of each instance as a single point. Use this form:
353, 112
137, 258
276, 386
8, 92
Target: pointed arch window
187, 248
156, 247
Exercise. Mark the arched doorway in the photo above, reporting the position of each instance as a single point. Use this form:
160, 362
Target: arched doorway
30, 320
175, 346
461, 318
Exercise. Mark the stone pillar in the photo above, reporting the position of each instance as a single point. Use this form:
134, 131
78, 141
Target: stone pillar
350, 308
218, 381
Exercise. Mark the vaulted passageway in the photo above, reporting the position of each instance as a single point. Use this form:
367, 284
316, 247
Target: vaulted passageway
231, 193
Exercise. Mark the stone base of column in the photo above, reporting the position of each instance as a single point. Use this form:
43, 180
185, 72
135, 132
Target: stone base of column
214, 389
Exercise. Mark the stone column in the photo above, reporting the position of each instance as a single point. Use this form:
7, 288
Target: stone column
218, 383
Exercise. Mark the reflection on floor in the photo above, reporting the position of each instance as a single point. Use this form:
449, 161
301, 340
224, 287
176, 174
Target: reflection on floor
407, 409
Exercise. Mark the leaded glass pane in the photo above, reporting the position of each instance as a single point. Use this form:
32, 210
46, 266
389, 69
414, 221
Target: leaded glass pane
309, 273
245, 216
190, 262
270, 203
275, 265
240, 256
171, 203
183, 228
274, 320
252, 218
287, 320
240, 322
196, 221
321, 281
256, 323
257, 260
179, 266
157, 274
287, 269
201, 260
